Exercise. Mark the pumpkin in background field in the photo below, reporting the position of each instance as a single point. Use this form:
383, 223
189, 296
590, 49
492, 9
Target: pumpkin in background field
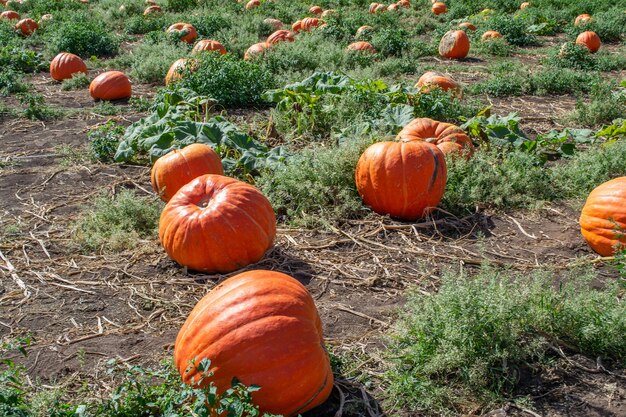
255, 50
217, 224
446, 136
152, 10
392, 7
590, 40
524, 5
454, 44
263, 328
207, 45
363, 29
186, 32
252, 4
110, 85
489, 35
27, 26
432, 78
10, 15
65, 65
603, 218
467, 25
404, 3
316, 10
297, 26
380, 8
328, 12
403, 179
372, 8
45, 18
439, 8
177, 168
309, 23
361, 46
280, 36
275, 24
583, 18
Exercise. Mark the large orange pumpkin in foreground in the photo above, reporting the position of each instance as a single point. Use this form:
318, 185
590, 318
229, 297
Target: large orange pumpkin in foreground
454, 44
431, 79
439, 134
603, 218
185, 31
65, 65
261, 327
590, 40
217, 224
403, 179
361, 46
110, 85
207, 45
27, 26
255, 50
177, 168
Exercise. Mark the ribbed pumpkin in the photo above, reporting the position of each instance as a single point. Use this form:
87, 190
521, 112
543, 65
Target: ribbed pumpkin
186, 32
152, 10
255, 50
432, 78
603, 215
589, 39
275, 24
207, 45
65, 65
404, 3
524, 5
297, 26
583, 18
27, 26
315, 10
439, 8
261, 327
110, 85
309, 23
403, 179
217, 224
10, 15
177, 168
175, 72
454, 44
280, 36
467, 25
489, 35
252, 4
361, 46
372, 8
363, 29
380, 8
437, 133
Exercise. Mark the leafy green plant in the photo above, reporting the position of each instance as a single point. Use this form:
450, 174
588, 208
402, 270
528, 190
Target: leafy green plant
84, 37
390, 42
605, 105
36, 108
513, 30
12, 82
21, 59
76, 82
104, 140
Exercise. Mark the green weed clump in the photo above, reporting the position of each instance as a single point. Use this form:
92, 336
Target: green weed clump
152, 60
605, 104
84, 37
465, 346
104, 140
77, 82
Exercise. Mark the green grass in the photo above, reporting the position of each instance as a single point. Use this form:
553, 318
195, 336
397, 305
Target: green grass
464, 347
78, 81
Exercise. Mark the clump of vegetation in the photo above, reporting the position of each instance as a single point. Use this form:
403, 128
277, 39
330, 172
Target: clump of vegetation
604, 105
77, 82
151, 60
36, 108
104, 140
83, 37
513, 30
465, 345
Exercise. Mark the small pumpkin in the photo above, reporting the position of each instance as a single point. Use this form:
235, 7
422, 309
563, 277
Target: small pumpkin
404, 3
468, 26
10, 15
207, 45
252, 4
175, 72
363, 29
361, 46
372, 8
590, 40
437, 133
280, 36
431, 78
185, 31
309, 23
65, 65
392, 7
275, 24
45, 18
603, 218
439, 8
110, 85
454, 44
380, 8
177, 168
27, 26
328, 12
524, 5
316, 10
297, 26
490, 35
217, 224
583, 18
255, 50
263, 328
152, 10
403, 179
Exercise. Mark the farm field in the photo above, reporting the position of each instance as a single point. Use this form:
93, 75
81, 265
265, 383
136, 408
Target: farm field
420, 171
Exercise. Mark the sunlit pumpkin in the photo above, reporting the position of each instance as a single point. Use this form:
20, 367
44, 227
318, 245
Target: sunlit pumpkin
110, 85
315, 10
263, 328
27, 26
280, 36
404, 3
10, 15
468, 26
403, 179
392, 7
297, 26
590, 40
152, 10
524, 5
217, 224
439, 8
583, 18
45, 18
184, 31
454, 44
309, 23
437, 133
603, 218
257, 49
175, 72
431, 79
327, 13
207, 45
252, 4
490, 35
363, 29
380, 8
372, 8
361, 46
65, 65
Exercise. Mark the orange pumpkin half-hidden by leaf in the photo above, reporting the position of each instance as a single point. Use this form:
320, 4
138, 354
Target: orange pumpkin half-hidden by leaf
603, 218
152, 10
438, 133
490, 35
275, 24
454, 44
524, 5
65, 65
175, 73
583, 18
590, 40
257, 49
434, 79
282, 35
361, 46
263, 328
217, 224
207, 45
252, 4
403, 179
177, 168
110, 85
185, 32
467, 25
316, 10
27, 26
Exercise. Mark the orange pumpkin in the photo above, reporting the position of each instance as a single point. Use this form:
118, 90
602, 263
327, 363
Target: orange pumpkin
363, 29
439, 8
217, 224
467, 25
372, 8
252, 4
603, 218
437, 133
315, 10
45, 18
110, 85
255, 50
583, 18
177, 168
263, 328
454, 44
27, 26
327, 13
175, 72
275, 24
361, 46
404, 3
207, 45
10, 15
589, 39
309, 23
152, 10
65, 65
297, 27
392, 7
380, 8
403, 179
524, 5
280, 36
431, 79
185, 31
490, 35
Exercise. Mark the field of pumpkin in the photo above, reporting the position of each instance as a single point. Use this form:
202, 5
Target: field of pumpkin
329, 209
